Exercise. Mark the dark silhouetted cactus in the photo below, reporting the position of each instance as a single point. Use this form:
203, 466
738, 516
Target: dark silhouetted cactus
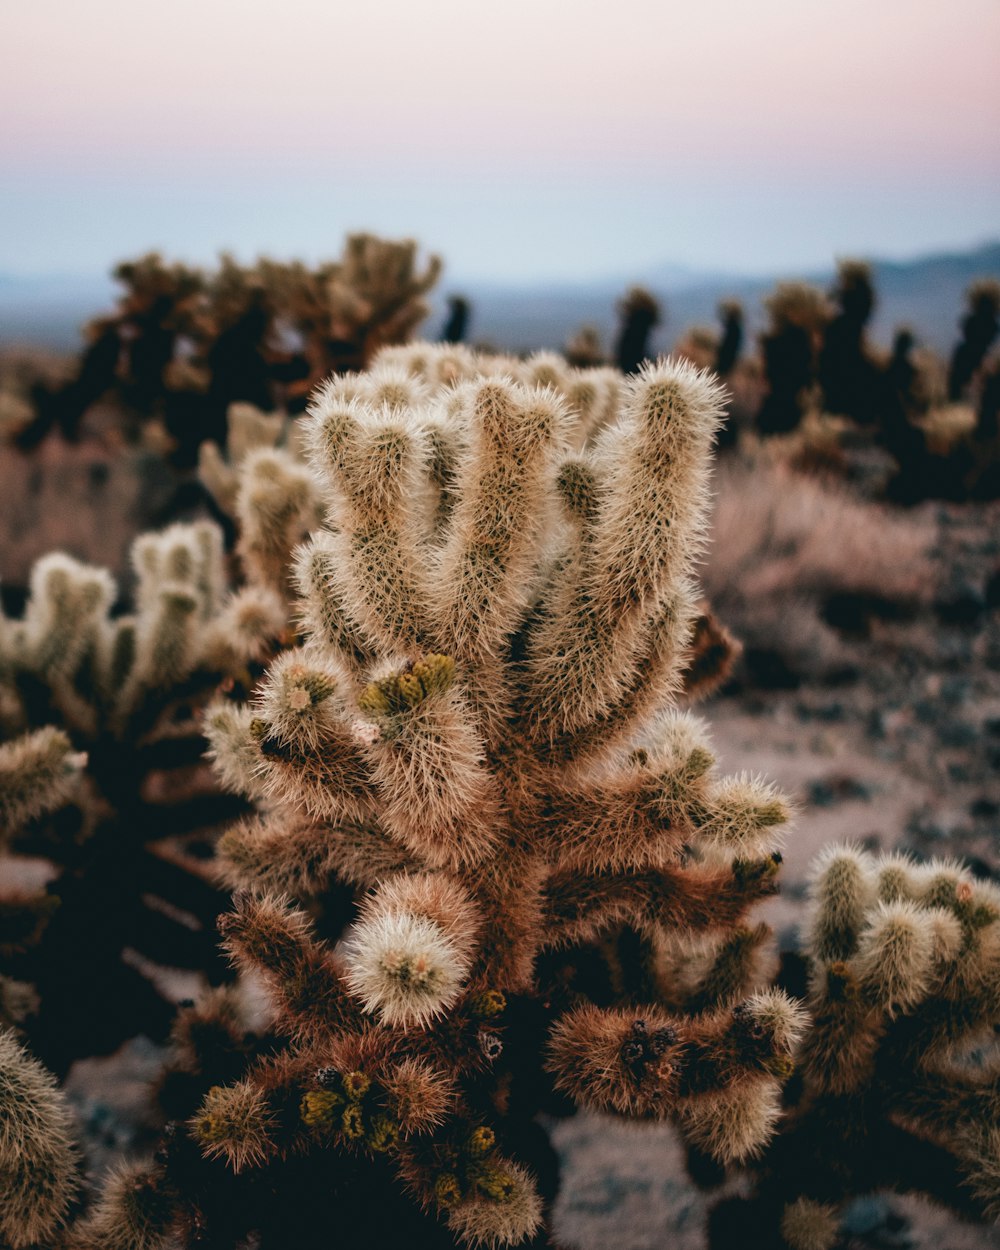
980, 327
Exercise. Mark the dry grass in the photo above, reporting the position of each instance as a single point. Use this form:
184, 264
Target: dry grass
784, 546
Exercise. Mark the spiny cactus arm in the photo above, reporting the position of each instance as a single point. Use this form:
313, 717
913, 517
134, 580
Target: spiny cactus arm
66, 601
426, 758
190, 554
545, 369
39, 772
218, 476
461, 1173
38, 1159
638, 809
438, 364
490, 555
594, 395
446, 439
613, 823
234, 747
166, 644
146, 659
720, 1072
641, 544
840, 893
135, 1210
308, 754
378, 494
277, 504
701, 972
268, 935
385, 386
246, 630
581, 905
505, 1208
654, 683
237, 1123
322, 609
283, 853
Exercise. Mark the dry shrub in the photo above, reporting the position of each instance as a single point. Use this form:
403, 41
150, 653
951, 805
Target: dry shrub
786, 545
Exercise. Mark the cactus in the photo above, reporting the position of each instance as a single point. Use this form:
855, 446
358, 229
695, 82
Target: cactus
640, 313
897, 1075
38, 1160
100, 774
476, 734
457, 325
847, 373
980, 327
728, 353
799, 313
343, 310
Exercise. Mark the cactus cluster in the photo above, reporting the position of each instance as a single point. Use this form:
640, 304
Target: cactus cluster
101, 775
185, 343
896, 1080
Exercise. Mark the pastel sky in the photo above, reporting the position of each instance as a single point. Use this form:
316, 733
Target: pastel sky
553, 139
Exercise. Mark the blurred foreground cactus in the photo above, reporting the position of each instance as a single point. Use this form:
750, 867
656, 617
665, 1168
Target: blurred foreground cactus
38, 1159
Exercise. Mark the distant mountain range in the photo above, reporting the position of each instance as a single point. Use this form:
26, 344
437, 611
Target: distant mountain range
926, 294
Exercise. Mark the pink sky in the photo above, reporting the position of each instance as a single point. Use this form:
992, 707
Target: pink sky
802, 103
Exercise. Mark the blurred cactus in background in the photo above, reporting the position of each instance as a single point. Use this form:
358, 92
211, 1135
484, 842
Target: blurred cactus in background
799, 313
731, 343
847, 373
584, 349
184, 344
457, 325
980, 327
101, 776
639, 314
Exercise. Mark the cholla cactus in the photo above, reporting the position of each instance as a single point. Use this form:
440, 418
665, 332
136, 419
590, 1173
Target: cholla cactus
899, 1067
847, 371
640, 313
799, 313
37, 1156
262, 486
101, 774
980, 327
477, 735
347, 309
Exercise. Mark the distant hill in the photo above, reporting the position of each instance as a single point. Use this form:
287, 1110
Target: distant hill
50, 311
926, 294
